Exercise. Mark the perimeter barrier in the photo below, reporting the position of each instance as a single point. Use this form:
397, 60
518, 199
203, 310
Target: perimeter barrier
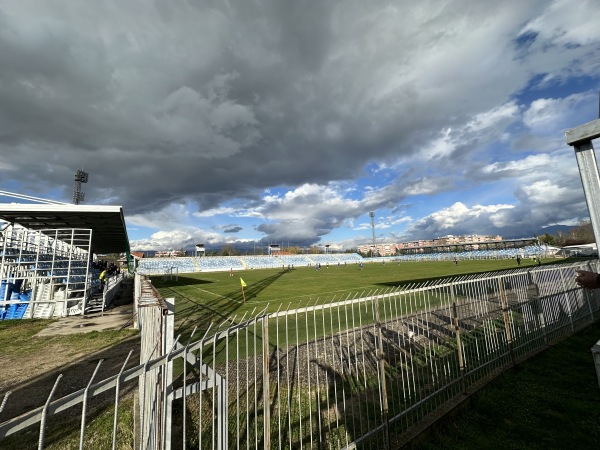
359, 371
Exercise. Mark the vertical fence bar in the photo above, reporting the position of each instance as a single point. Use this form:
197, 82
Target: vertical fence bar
44, 412
4, 400
459, 348
566, 299
298, 380
288, 387
255, 386
504, 305
222, 413
318, 385
382, 377
117, 392
341, 374
334, 375
266, 392
84, 405
168, 336
309, 384
278, 383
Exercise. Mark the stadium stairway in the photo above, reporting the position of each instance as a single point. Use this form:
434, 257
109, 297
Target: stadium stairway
14, 311
43, 311
95, 303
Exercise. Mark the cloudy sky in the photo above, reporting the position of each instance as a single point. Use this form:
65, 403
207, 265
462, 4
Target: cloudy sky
287, 121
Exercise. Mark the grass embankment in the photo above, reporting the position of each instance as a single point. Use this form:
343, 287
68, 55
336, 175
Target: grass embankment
29, 366
19, 339
551, 401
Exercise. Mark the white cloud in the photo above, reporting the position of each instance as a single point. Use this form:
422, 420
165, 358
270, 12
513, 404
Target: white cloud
531, 162
472, 135
216, 212
547, 115
544, 192
170, 217
563, 23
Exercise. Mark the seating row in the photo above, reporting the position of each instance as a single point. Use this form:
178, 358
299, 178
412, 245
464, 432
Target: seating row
159, 266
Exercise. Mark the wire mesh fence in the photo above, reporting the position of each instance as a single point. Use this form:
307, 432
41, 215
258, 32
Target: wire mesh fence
359, 372
355, 372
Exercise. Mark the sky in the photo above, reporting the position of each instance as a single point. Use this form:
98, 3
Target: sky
250, 122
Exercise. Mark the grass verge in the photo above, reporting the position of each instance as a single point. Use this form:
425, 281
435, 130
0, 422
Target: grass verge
551, 401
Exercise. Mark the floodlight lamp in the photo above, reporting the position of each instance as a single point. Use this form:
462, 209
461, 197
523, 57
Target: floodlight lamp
81, 176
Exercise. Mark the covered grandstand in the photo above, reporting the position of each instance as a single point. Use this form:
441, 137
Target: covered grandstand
46, 257
159, 266
581, 250
191, 264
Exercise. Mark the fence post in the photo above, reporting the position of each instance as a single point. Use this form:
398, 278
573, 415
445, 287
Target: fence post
461, 363
381, 360
151, 311
504, 305
168, 338
137, 293
588, 294
266, 396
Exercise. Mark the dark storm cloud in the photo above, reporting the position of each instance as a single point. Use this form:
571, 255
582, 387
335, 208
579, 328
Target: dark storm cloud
267, 93
206, 102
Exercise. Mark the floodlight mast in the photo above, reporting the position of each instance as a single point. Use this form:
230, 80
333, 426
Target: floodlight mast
372, 216
580, 138
80, 177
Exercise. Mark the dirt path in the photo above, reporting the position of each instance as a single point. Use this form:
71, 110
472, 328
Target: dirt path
30, 378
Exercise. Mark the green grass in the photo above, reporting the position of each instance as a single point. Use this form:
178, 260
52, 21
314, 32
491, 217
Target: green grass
14, 333
214, 297
20, 346
63, 431
551, 401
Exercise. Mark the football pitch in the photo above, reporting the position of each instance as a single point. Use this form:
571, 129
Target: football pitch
215, 297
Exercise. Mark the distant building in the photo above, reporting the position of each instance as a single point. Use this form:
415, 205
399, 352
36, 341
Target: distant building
419, 246
170, 254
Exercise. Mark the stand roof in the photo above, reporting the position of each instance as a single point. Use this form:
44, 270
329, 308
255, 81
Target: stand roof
109, 234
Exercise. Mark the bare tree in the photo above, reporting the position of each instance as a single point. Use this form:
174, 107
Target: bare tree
229, 250
582, 233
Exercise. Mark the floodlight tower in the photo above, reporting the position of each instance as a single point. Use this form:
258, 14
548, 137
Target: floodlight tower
580, 138
372, 216
80, 177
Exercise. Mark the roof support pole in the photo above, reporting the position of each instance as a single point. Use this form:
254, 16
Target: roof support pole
580, 138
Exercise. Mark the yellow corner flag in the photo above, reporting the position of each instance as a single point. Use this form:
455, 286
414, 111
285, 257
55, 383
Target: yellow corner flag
242, 281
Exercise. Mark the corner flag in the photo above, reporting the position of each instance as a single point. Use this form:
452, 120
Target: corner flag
243, 284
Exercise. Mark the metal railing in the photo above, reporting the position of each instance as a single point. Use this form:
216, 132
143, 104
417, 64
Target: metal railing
355, 372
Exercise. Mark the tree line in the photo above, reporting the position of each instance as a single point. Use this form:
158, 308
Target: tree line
582, 233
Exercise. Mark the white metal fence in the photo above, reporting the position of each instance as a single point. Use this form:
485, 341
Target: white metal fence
355, 372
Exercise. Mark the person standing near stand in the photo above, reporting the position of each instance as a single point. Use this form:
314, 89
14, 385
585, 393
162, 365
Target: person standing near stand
102, 279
